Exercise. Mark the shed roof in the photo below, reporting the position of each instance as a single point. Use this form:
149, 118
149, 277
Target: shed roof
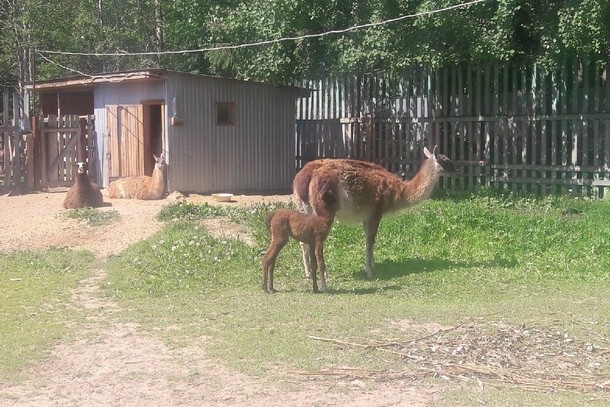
88, 81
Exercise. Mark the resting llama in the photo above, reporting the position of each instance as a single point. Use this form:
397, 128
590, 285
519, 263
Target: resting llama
309, 229
364, 192
83, 192
142, 186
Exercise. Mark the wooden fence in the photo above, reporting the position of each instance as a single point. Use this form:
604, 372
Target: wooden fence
12, 145
512, 127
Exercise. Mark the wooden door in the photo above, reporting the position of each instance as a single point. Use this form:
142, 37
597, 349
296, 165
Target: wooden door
126, 141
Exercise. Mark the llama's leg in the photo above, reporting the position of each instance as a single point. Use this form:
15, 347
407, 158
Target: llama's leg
306, 209
321, 265
307, 259
269, 263
371, 225
314, 278
266, 268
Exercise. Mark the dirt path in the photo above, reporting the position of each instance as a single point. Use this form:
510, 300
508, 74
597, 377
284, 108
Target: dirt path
113, 363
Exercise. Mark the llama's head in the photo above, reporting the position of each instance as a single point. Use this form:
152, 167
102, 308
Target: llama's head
160, 161
80, 167
443, 163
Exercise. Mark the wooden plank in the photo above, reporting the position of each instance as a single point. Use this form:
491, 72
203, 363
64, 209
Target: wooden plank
584, 124
564, 124
575, 125
6, 140
535, 137
541, 128
596, 123
53, 145
43, 156
514, 136
606, 159
18, 142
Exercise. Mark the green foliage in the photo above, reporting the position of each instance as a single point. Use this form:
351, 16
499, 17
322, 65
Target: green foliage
35, 286
183, 210
93, 216
521, 31
516, 31
551, 238
183, 257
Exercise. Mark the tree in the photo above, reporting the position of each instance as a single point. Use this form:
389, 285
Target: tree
517, 31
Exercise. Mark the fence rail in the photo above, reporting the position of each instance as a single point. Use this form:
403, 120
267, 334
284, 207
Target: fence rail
518, 128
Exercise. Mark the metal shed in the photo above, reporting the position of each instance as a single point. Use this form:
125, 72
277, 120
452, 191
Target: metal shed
218, 134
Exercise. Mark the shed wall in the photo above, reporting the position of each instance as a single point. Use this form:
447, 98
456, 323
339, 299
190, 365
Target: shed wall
255, 154
123, 93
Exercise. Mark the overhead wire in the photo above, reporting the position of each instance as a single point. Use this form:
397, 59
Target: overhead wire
267, 42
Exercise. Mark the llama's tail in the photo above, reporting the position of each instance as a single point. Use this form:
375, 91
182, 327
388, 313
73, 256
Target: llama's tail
300, 185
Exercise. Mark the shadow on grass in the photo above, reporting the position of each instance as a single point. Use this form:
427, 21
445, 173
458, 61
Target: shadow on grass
390, 270
363, 291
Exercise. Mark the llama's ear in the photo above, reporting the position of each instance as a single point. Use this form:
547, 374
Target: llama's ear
435, 151
427, 152
157, 158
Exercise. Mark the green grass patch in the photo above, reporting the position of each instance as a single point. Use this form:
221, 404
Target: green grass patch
518, 260
35, 286
93, 216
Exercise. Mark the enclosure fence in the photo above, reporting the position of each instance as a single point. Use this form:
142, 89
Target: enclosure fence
522, 129
12, 146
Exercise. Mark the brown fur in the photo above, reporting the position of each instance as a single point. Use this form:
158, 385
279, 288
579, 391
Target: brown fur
310, 229
364, 192
141, 187
83, 192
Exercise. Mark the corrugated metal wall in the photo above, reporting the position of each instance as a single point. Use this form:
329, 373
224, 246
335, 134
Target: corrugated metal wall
255, 154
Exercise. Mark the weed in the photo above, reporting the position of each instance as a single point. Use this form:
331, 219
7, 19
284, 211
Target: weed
93, 216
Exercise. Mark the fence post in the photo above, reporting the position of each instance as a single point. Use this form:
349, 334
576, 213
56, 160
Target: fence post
29, 161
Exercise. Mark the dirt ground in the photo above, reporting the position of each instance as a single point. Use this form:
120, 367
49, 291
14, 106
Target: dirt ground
112, 363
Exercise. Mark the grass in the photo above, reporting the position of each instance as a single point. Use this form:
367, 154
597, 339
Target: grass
519, 260
503, 260
93, 216
35, 286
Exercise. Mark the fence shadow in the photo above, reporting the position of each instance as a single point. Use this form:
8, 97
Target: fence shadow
390, 270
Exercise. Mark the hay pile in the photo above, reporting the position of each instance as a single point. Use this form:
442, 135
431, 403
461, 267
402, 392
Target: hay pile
493, 353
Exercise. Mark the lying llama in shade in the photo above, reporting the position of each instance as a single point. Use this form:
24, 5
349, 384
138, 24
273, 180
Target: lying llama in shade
309, 229
83, 192
142, 186
364, 192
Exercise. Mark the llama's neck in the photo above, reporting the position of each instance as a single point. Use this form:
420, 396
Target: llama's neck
83, 180
158, 181
420, 187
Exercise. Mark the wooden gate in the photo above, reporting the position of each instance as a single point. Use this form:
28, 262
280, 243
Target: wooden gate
126, 141
65, 140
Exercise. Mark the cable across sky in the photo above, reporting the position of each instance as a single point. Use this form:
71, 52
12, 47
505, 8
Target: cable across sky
267, 42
